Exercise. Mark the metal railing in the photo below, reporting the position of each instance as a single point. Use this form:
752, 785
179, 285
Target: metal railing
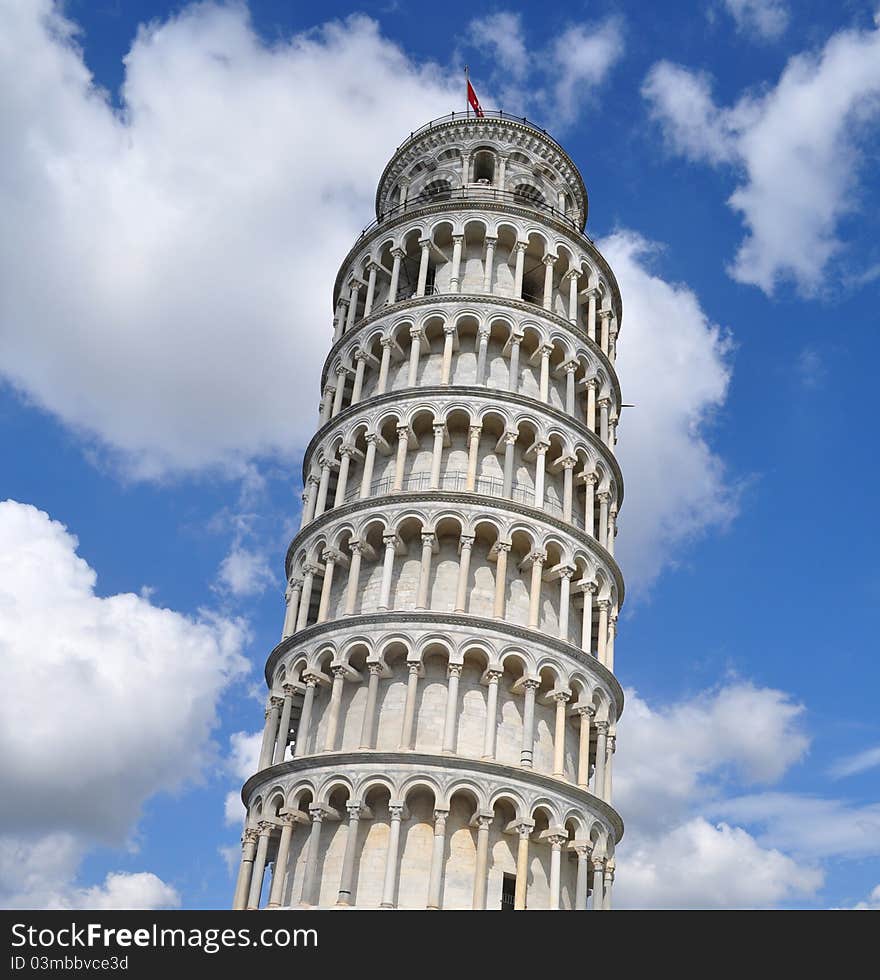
484, 194
456, 482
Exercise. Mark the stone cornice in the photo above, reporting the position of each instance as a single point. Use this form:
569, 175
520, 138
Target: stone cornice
473, 299
471, 206
432, 619
344, 760
456, 497
469, 391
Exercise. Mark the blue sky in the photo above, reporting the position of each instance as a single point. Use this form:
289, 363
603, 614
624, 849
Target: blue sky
166, 264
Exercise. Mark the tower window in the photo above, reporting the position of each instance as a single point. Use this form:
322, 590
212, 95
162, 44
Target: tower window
484, 167
526, 194
437, 190
508, 891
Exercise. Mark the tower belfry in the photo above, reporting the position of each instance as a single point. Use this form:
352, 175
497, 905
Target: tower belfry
442, 705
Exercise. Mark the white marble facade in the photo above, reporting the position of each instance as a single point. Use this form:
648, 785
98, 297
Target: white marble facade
442, 707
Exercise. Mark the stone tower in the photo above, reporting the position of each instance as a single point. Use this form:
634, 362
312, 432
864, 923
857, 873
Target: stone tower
442, 704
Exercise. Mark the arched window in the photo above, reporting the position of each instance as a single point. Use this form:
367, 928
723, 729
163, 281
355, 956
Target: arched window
526, 194
437, 190
484, 167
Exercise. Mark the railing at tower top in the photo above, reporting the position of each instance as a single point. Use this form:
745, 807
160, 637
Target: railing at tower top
483, 194
456, 481
488, 114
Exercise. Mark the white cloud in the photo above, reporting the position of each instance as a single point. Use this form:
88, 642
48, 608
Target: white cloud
872, 903
676, 377
854, 764
242, 762
796, 147
670, 769
245, 572
40, 873
555, 81
166, 271
766, 19
108, 700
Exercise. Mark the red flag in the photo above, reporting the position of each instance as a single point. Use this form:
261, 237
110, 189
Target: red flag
474, 101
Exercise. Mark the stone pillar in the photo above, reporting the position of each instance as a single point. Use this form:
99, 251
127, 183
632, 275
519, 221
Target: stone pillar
538, 559
397, 255
513, 380
390, 882
279, 870
437, 454
346, 879
612, 530
503, 549
583, 871
564, 600
572, 276
330, 558
540, 465
482, 354
354, 287
549, 262
371, 288
610, 743
602, 641
354, 575
390, 541
264, 829
341, 373
451, 717
358, 384
414, 354
493, 677
400, 461
384, 365
333, 709
455, 275
292, 596
518, 269
583, 778
609, 643
269, 731
604, 404
599, 774
370, 707
409, 708
561, 699
464, 567
509, 443
591, 313
556, 842
302, 615
310, 892
425, 570
321, 502
327, 403
590, 481
605, 317
528, 741
305, 718
473, 452
520, 894
369, 463
570, 371
245, 869
342, 480
604, 499
592, 385
488, 264
598, 890
589, 590
567, 487
425, 246
608, 881
448, 345
545, 350
435, 877
283, 725
481, 870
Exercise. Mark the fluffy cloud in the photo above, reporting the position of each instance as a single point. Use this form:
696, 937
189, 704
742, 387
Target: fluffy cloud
159, 263
676, 379
553, 82
858, 763
671, 768
40, 874
108, 700
245, 572
797, 145
872, 903
242, 762
765, 19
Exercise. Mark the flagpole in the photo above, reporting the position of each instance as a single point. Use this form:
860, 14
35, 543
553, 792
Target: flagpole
467, 101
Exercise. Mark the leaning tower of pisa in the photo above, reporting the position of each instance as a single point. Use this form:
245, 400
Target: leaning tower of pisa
442, 705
